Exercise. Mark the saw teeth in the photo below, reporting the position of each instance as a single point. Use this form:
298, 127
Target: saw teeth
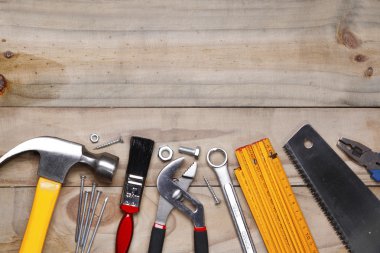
316, 196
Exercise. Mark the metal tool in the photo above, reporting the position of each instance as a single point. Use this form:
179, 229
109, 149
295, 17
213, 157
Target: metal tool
87, 232
57, 156
82, 178
97, 225
190, 151
90, 206
350, 206
362, 155
231, 199
85, 204
109, 143
172, 193
216, 200
164, 209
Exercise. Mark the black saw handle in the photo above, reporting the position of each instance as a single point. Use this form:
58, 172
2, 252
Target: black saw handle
157, 237
200, 240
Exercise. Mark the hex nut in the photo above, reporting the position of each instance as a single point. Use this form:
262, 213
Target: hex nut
161, 152
94, 138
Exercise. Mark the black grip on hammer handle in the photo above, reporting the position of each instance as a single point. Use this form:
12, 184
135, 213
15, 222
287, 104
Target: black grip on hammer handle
200, 241
157, 237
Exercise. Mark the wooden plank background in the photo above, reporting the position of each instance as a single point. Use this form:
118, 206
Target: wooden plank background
208, 73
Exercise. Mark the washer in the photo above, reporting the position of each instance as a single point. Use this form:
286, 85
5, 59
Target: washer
161, 151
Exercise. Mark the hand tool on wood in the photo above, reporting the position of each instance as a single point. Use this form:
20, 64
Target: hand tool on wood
232, 201
140, 154
157, 235
350, 206
362, 155
93, 209
79, 214
81, 227
271, 200
90, 206
97, 225
171, 192
57, 156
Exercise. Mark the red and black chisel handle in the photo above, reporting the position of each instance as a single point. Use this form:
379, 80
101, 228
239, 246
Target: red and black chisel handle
124, 233
157, 237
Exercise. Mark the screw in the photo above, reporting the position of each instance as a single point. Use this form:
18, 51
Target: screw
82, 220
82, 178
111, 142
190, 151
97, 225
8, 54
217, 201
87, 231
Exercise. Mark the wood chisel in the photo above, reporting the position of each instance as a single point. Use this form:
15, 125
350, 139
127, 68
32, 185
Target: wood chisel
140, 154
271, 199
350, 206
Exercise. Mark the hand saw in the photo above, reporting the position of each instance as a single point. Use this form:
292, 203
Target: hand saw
350, 206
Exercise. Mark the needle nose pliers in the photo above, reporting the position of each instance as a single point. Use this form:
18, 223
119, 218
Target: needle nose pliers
362, 155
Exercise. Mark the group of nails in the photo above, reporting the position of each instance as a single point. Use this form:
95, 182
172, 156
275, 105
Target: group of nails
87, 206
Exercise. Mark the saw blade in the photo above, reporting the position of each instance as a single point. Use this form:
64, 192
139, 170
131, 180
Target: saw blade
352, 209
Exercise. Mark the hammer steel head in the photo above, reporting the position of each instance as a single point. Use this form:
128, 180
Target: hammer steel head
58, 156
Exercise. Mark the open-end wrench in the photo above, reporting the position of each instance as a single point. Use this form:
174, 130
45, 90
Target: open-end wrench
232, 201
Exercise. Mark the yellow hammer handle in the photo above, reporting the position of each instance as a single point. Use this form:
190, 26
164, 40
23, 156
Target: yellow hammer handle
46, 196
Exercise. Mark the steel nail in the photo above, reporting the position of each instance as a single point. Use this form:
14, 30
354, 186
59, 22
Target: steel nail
87, 231
97, 225
88, 213
82, 220
216, 200
82, 178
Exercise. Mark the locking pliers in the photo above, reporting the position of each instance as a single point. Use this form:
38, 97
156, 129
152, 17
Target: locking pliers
362, 155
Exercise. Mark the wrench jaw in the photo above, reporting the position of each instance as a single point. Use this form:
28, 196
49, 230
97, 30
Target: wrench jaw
171, 190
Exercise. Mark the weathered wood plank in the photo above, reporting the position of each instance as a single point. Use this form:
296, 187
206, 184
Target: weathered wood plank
226, 128
222, 237
198, 53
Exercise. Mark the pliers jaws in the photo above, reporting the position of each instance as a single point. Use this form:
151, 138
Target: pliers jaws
362, 155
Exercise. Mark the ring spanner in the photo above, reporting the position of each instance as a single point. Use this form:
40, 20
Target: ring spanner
229, 193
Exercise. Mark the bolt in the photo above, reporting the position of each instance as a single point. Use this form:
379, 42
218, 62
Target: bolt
111, 142
217, 201
8, 54
82, 178
97, 225
190, 151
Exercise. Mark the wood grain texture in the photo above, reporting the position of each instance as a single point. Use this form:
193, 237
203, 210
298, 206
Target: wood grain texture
194, 53
226, 128
222, 237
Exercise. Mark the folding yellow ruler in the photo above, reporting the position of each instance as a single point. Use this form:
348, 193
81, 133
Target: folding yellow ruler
271, 200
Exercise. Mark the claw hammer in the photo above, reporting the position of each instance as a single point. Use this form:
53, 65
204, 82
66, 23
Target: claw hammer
57, 156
